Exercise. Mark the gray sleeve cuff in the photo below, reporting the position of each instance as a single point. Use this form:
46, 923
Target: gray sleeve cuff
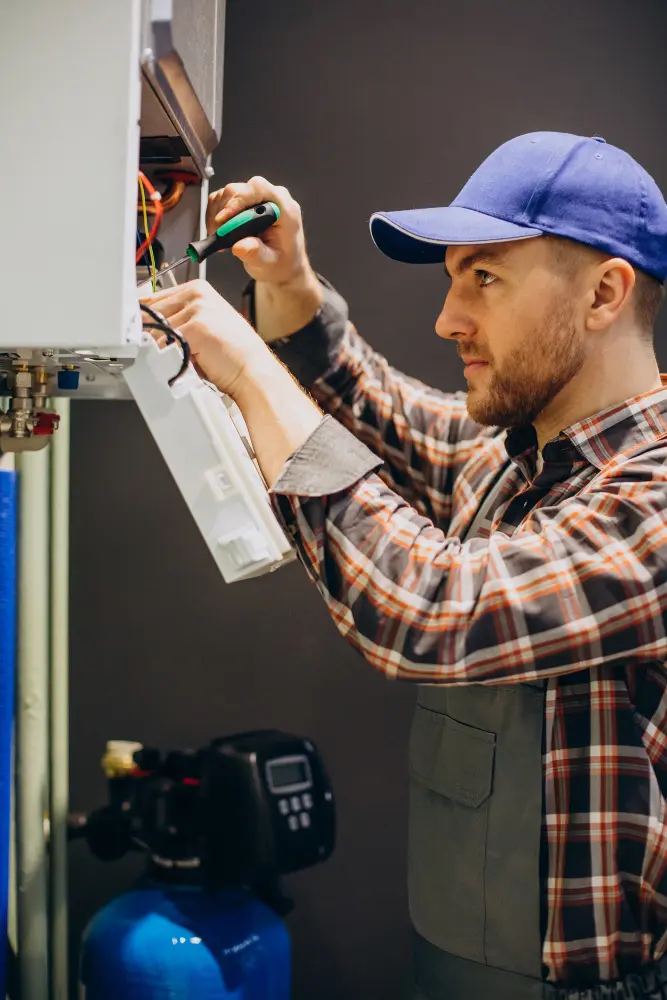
311, 352
329, 461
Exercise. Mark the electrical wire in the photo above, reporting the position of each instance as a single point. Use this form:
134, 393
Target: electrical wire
170, 196
156, 200
147, 260
160, 323
154, 315
150, 245
171, 335
176, 183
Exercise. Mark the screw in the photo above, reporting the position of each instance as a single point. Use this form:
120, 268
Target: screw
208, 171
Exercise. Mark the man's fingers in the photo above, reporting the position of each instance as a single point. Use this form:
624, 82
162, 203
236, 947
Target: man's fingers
234, 198
175, 309
247, 248
218, 199
253, 251
164, 297
156, 300
178, 315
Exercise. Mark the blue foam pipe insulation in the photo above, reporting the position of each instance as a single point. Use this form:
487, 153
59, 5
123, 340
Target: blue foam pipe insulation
8, 527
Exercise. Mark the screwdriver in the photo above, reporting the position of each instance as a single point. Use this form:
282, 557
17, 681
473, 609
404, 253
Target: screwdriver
250, 222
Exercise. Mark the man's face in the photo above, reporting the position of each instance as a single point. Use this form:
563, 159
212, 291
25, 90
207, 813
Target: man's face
513, 314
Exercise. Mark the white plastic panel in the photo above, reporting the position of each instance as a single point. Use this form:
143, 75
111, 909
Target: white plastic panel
197, 432
69, 148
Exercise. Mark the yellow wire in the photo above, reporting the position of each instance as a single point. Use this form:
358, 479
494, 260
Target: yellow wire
146, 230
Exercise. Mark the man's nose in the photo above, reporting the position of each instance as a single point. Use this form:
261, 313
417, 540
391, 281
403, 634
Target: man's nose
454, 322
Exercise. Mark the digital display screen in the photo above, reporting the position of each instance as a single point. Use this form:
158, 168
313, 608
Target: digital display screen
284, 774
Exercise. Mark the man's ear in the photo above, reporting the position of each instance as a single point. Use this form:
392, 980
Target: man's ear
612, 285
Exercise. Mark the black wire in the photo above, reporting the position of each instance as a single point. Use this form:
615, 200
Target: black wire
172, 335
158, 317
160, 323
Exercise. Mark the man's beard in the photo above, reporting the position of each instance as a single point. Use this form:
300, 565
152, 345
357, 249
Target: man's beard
533, 375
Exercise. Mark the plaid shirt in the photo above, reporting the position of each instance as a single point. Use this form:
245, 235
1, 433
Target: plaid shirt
567, 583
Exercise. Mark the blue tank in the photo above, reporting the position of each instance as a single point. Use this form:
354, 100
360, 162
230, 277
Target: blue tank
166, 942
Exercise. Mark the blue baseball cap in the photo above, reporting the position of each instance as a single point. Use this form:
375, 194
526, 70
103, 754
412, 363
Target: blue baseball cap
543, 183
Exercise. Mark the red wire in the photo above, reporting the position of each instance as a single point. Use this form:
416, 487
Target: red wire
155, 197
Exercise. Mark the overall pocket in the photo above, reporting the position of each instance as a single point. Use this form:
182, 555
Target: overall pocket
451, 777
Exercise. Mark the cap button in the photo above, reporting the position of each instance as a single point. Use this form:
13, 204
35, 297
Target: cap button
598, 138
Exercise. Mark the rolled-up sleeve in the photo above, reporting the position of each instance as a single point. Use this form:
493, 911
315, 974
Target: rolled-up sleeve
329, 461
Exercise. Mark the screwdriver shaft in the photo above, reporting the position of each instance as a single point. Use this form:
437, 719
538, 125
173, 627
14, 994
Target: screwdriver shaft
177, 263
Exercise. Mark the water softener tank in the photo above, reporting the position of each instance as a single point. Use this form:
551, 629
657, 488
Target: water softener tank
220, 826
165, 942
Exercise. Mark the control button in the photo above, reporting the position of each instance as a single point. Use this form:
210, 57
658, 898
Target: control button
296, 803
304, 819
307, 799
293, 822
283, 805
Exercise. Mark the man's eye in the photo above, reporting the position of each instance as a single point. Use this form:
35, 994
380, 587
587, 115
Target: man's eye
485, 278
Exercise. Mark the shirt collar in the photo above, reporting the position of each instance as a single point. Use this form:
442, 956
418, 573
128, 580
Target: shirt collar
619, 428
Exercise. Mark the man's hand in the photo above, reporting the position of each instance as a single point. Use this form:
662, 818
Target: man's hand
224, 347
227, 351
278, 256
287, 293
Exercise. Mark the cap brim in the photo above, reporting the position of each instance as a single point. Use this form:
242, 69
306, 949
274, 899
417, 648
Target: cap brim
422, 235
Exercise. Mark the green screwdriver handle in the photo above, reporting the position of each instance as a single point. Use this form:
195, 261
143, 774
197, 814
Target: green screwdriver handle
251, 222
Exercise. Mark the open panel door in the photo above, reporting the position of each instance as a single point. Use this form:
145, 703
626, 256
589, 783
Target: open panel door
204, 441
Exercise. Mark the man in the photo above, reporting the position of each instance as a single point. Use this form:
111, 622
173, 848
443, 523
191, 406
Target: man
510, 557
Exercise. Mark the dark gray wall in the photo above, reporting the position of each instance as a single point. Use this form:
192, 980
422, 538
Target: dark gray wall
356, 106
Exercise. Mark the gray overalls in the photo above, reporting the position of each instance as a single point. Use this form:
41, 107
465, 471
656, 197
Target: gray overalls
474, 847
474, 838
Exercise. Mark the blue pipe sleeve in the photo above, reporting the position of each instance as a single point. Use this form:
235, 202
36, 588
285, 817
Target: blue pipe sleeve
8, 569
